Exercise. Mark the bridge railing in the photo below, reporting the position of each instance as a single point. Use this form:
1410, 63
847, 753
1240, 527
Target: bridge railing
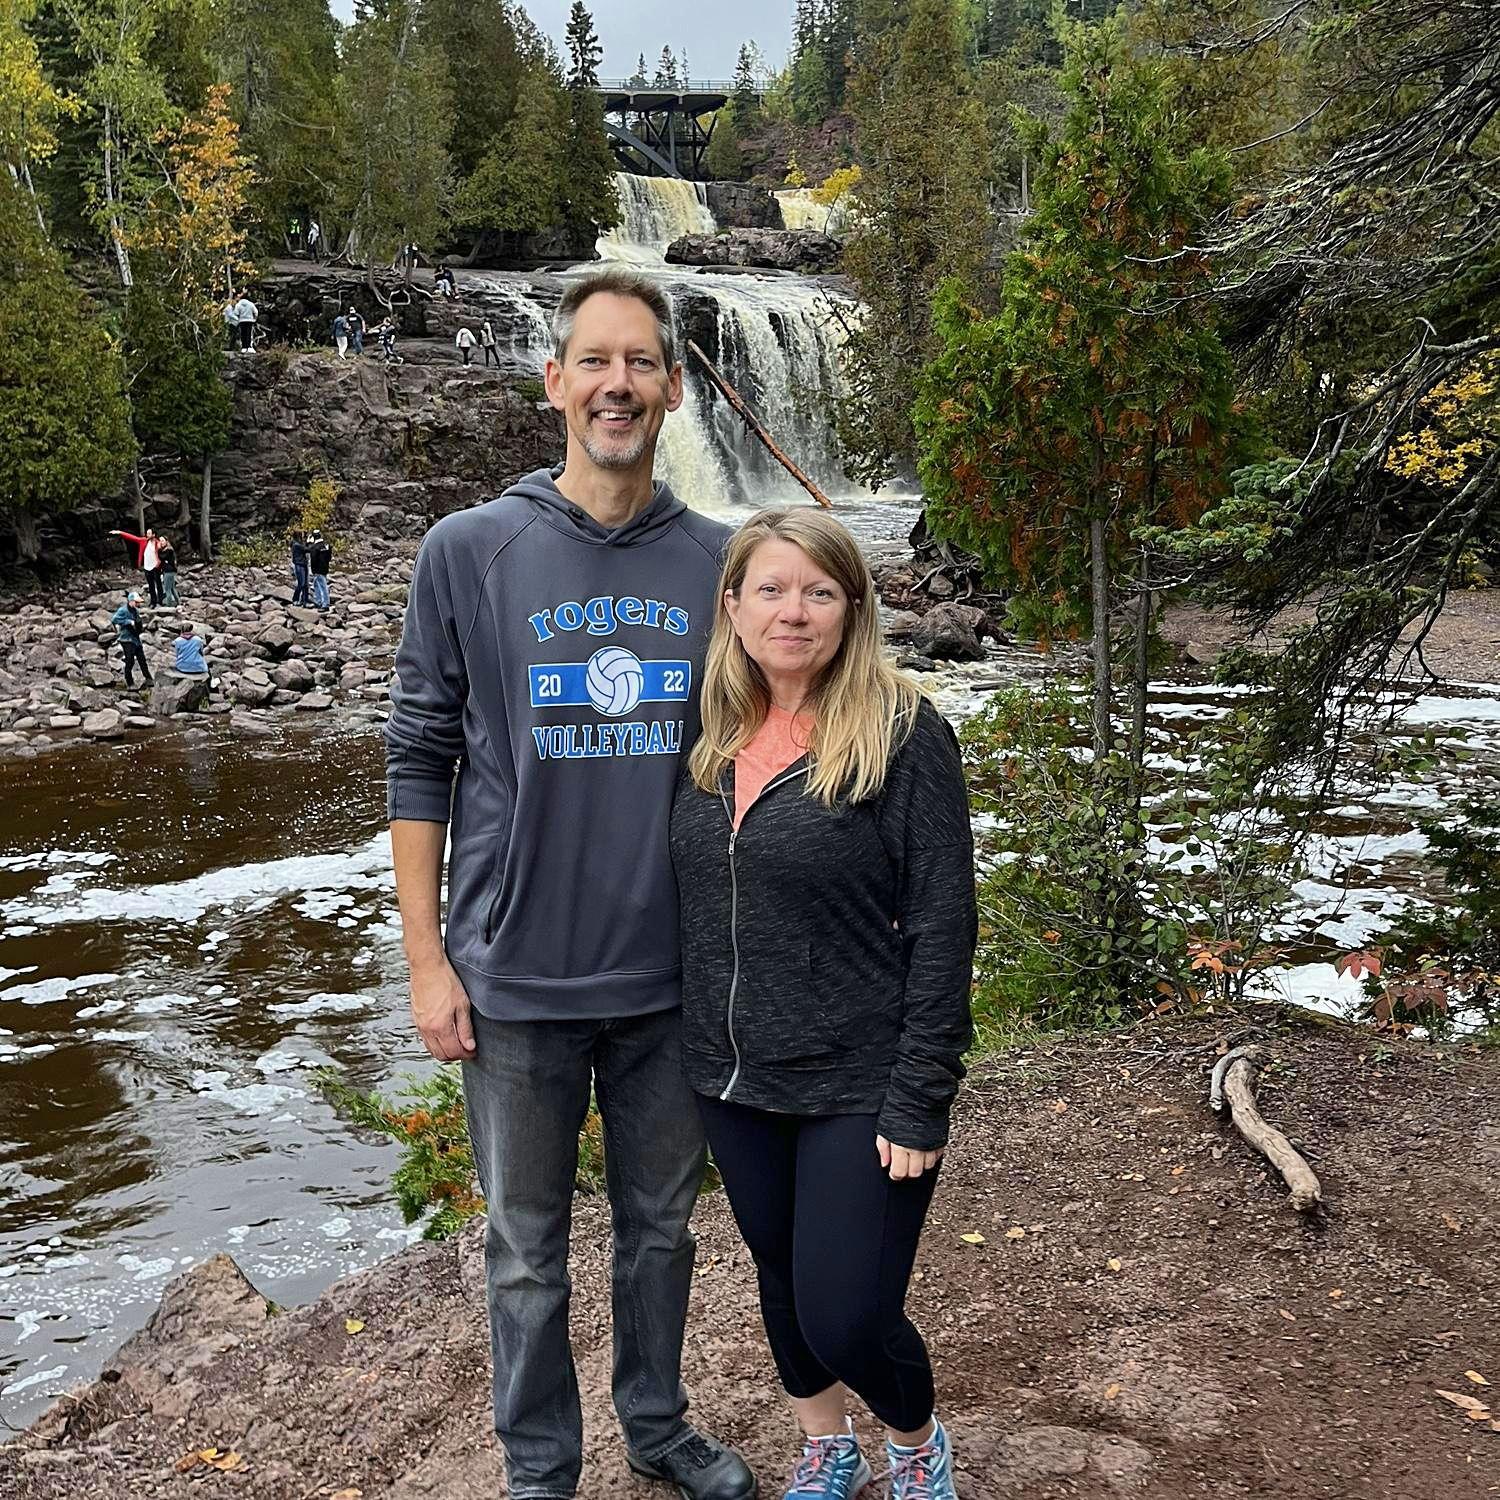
691, 86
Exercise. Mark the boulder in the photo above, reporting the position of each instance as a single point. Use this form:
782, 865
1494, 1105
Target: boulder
274, 642
949, 632
64, 721
294, 675
774, 249
250, 726
738, 205
178, 693
312, 702
106, 724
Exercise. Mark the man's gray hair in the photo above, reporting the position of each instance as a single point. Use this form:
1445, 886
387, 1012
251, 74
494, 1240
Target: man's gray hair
621, 283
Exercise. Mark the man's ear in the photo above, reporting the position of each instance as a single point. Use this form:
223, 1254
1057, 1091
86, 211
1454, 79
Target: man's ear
552, 379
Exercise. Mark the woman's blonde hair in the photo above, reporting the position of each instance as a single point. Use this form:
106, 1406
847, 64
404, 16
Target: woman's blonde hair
862, 708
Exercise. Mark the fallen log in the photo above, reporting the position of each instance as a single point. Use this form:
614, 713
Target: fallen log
751, 421
1234, 1079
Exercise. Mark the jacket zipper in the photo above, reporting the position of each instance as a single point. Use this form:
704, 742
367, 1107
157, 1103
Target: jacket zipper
734, 923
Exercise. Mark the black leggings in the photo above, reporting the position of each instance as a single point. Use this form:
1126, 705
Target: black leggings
834, 1240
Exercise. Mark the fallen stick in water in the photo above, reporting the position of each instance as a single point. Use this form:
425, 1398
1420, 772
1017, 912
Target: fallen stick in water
1234, 1079
737, 401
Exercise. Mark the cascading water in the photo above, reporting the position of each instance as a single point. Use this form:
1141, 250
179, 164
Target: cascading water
656, 210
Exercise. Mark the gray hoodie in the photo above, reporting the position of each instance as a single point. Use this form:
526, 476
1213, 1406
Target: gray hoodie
556, 665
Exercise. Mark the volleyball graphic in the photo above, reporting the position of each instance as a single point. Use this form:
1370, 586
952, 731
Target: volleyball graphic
614, 680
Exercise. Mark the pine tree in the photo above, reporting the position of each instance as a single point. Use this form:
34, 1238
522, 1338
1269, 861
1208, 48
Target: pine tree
64, 424
638, 78
486, 47
684, 73
517, 185
666, 71
746, 99
584, 50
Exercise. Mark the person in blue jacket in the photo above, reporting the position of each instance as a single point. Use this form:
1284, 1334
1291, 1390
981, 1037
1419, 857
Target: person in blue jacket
127, 622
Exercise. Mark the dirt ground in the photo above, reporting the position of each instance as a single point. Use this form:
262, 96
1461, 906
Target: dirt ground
1463, 646
1145, 1316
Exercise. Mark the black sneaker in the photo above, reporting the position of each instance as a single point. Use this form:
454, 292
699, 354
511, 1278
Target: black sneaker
701, 1468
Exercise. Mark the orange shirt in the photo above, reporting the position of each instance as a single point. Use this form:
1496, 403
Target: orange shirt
779, 742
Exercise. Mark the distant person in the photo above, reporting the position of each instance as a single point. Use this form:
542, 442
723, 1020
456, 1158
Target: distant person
314, 236
167, 555
147, 559
127, 622
299, 569
248, 314
386, 333
445, 284
487, 343
341, 334
319, 556
356, 332
465, 340
187, 652
232, 322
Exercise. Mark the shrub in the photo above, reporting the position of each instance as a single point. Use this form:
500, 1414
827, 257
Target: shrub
262, 549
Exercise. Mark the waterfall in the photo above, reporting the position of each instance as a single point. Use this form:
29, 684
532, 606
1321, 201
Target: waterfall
799, 210
657, 210
775, 338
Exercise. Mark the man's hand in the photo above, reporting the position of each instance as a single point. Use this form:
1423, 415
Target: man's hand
902, 1163
440, 1007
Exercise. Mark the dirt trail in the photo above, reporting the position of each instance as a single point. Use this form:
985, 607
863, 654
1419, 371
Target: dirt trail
1235, 1351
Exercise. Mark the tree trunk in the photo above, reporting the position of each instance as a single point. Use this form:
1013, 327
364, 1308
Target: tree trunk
1102, 695
28, 537
1141, 679
139, 491
205, 511
116, 232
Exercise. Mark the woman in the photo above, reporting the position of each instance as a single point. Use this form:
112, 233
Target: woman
167, 555
822, 844
147, 559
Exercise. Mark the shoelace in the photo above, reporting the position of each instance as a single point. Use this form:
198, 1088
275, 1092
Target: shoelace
815, 1471
912, 1474
693, 1449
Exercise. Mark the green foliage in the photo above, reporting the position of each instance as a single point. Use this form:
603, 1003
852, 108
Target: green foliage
1440, 963
1085, 920
1099, 390
923, 215
725, 161
317, 509
584, 51
516, 184
436, 1172
262, 549
64, 424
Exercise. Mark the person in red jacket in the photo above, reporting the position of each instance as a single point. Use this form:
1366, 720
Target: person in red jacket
147, 558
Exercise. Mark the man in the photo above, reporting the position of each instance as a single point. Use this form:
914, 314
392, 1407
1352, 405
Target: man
553, 644
127, 622
356, 332
232, 322
487, 343
314, 234
341, 334
247, 313
319, 555
299, 569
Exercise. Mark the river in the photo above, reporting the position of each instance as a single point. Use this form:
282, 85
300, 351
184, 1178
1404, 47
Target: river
186, 928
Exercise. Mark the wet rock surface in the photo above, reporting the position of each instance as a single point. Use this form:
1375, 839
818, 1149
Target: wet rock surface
772, 249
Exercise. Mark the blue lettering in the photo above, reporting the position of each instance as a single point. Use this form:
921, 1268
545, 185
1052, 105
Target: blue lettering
654, 607
568, 616
676, 621
629, 609
655, 744
600, 613
539, 624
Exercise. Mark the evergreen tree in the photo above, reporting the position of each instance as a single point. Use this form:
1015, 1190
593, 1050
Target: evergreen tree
923, 215
666, 71
396, 178
31, 104
64, 423
584, 50
684, 73
638, 79
745, 98
1099, 398
724, 161
281, 58
487, 45
517, 185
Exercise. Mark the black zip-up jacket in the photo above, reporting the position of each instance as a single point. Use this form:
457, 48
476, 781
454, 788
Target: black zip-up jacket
827, 954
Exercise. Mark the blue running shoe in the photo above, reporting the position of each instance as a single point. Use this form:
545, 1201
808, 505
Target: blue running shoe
924, 1473
831, 1468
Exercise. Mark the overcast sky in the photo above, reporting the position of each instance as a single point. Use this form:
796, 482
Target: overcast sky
710, 33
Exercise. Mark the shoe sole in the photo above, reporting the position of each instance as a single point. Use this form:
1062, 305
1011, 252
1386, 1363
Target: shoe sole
655, 1478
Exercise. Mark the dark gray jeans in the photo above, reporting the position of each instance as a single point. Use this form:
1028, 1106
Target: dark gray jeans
526, 1093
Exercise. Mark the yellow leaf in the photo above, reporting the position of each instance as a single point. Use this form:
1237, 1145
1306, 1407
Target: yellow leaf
1476, 1377
1114, 1263
1178, 1171
973, 1237
353, 1325
350, 1494
1015, 1234
228, 1463
1112, 1391
1476, 1408
1338, 1291
1060, 1108
1290, 1317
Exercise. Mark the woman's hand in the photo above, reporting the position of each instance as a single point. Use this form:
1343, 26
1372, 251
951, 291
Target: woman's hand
903, 1163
